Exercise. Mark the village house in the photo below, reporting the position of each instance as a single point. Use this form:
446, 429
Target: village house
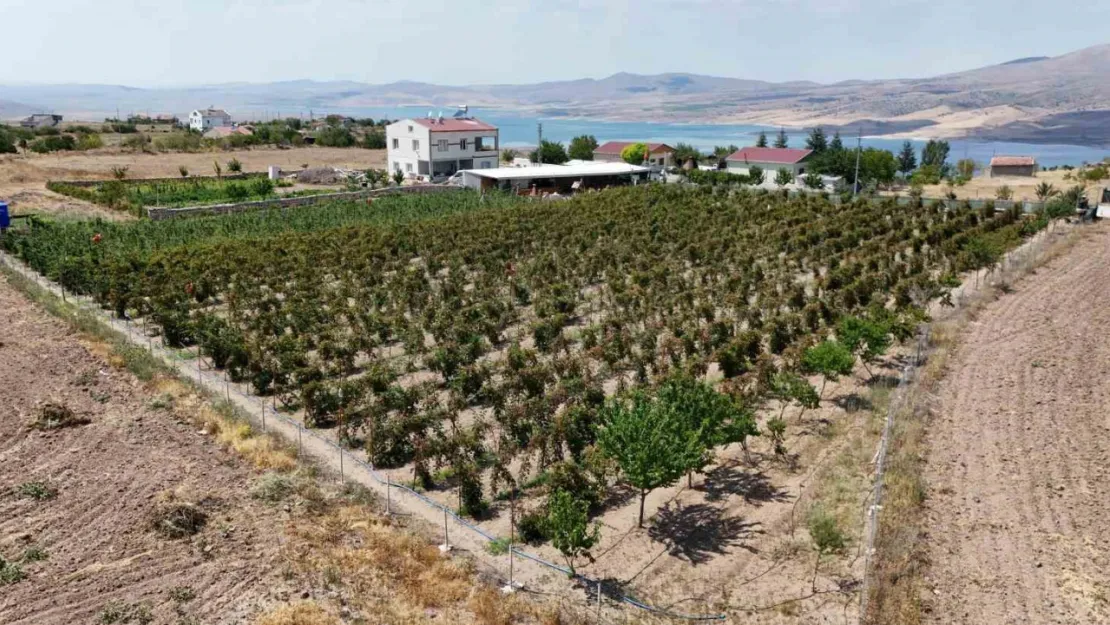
203, 120
659, 154
437, 147
1013, 166
770, 160
41, 120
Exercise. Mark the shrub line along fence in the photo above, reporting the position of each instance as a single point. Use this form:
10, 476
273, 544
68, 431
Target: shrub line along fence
1023, 256
217, 387
134, 181
157, 214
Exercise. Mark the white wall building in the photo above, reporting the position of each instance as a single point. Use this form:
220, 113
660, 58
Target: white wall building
770, 160
203, 120
440, 146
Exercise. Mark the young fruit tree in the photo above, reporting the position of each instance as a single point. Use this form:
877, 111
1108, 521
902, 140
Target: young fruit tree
830, 359
706, 419
865, 338
648, 442
569, 527
789, 387
783, 177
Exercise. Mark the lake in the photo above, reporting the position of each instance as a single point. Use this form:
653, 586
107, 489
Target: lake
519, 130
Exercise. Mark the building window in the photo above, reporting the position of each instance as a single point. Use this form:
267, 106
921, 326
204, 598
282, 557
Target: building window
442, 145
462, 144
408, 167
410, 128
416, 145
396, 166
485, 164
396, 144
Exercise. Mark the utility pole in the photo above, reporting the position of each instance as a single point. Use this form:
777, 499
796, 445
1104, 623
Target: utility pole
859, 149
539, 143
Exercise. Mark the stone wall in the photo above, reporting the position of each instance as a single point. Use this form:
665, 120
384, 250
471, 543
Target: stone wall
308, 200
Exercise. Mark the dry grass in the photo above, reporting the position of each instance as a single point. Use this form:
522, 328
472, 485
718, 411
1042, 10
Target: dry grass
900, 559
305, 613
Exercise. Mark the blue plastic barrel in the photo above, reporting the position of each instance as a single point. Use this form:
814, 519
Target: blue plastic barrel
5, 218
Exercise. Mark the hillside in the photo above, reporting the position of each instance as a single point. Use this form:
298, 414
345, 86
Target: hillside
1045, 99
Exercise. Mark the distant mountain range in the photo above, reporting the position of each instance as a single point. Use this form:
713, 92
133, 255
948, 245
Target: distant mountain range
1064, 99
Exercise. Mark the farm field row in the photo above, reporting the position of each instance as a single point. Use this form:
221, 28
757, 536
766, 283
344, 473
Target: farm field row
493, 346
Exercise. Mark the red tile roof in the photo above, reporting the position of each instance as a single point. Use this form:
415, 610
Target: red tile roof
780, 156
1012, 161
453, 124
616, 147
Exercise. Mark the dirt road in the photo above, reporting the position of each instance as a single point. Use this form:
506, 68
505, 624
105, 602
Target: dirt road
1018, 510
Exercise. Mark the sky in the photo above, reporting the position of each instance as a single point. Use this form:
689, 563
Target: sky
151, 43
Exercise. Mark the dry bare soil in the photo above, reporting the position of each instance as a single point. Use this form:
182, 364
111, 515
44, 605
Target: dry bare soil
1019, 454
110, 475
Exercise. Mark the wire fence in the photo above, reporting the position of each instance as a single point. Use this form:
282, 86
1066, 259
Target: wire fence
221, 386
1013, 263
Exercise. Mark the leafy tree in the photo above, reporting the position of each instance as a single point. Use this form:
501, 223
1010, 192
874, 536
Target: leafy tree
756, 175
234, 166
724, 151
398, 177
875, 165
706, 419
7, 143
684, 152
836, 144
817, 140
568, 526
335, 137
582, 148
635, 154
827, 538
935, 154
1045, 190
761, 141
1004, 193
965, 168
781, 141
864, 337
374, 140
907, 159
789, 387
507, 155
550, 152
829, 359
647, 441
783, 177
813, 180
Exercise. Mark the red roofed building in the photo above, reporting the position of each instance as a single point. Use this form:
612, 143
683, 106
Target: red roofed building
659, 154
1013, 166
437, 147
770, 160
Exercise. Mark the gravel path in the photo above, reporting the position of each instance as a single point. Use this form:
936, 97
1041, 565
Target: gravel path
1018, 514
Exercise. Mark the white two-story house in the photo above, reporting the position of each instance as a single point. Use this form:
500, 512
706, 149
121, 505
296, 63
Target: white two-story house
438, 147
203, 120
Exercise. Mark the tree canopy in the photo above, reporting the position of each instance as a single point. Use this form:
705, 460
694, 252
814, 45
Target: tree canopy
781, 140
761, 141
817, 140
550, 152
635, 154
582, 148
907, 159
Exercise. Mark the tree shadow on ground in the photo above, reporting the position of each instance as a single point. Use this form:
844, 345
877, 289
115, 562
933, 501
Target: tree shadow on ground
697, 533
730, 479
618, 496
882, 380
852, 402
